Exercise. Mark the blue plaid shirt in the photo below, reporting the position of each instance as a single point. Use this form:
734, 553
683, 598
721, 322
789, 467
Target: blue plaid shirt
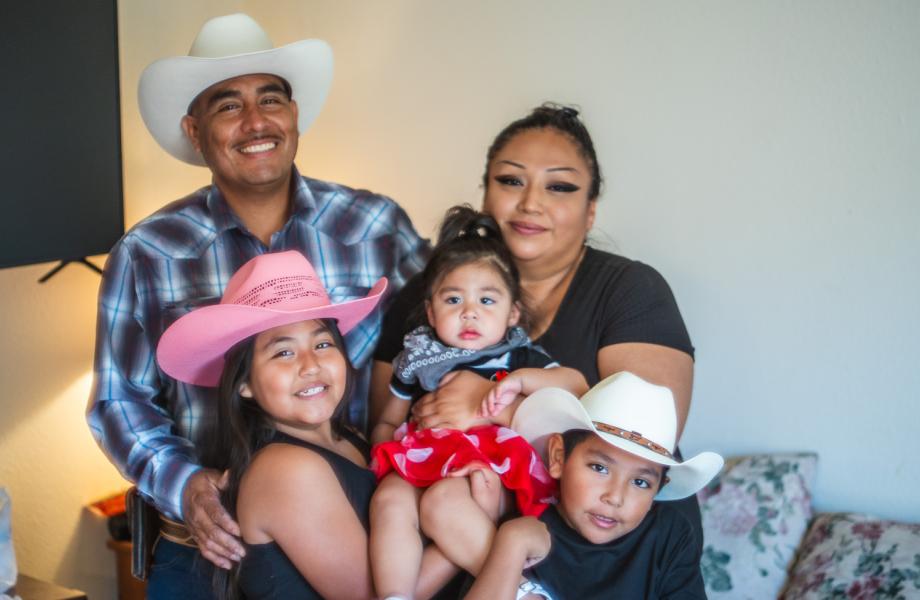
180, 258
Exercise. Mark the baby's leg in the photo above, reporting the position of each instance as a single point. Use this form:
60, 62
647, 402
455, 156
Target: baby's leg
461, 528
395, 540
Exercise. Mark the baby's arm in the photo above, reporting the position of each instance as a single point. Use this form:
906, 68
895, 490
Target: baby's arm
519, 544
393, 415
523, 382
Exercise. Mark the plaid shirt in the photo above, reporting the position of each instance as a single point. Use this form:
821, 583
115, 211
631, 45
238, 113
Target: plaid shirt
180, 258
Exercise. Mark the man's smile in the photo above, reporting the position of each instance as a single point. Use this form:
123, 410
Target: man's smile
260, 147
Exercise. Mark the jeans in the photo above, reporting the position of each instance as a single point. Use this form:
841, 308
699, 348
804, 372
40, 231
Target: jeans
179, 571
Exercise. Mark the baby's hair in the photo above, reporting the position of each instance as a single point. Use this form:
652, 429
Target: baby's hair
470, 237
241, 427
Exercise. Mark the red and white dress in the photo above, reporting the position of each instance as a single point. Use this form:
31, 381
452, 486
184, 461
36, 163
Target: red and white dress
425, 456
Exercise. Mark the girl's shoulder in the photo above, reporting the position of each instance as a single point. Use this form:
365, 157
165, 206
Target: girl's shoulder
280, 465
278, 483
286, 459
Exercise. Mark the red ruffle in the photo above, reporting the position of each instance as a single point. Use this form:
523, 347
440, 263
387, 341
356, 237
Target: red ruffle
426, 456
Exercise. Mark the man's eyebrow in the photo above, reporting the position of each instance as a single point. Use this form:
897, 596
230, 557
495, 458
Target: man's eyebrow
221, 94
233, 93
272, 87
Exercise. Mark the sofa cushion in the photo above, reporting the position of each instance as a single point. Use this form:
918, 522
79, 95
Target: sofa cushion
847, 555
754, 516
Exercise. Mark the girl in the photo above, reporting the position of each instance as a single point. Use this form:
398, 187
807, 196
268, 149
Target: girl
475, 310
296, 475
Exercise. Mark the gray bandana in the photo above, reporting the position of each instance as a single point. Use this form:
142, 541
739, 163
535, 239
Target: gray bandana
426, 360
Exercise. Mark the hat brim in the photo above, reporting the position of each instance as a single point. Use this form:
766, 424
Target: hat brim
554, 410
192, 349
169, 85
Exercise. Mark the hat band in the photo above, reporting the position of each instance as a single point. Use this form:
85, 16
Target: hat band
634, 436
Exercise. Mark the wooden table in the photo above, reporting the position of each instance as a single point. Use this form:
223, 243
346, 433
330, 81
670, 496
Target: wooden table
30, 588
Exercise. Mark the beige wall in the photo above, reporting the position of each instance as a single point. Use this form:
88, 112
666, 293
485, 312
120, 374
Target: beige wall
762, 155
48, 460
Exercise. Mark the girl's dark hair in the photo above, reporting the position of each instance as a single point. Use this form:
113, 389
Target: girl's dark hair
468, 236
563, 119
240, 428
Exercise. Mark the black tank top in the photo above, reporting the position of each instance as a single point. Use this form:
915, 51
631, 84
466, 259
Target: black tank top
266, 572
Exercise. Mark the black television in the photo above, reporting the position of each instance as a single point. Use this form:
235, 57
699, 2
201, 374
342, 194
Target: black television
60, 166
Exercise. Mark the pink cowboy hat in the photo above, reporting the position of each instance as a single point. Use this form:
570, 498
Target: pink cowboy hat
268, 291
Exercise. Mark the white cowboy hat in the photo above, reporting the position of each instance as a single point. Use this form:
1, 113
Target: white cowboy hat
627, 412
228, 47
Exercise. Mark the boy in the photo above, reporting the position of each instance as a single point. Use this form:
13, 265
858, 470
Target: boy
611, 453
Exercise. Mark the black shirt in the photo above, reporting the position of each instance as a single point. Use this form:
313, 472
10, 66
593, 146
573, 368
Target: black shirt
658, 559
610, 300
266, 572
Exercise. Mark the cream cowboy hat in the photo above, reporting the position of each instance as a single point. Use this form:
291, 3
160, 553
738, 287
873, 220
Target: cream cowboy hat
627, 412
270, 290
228, 47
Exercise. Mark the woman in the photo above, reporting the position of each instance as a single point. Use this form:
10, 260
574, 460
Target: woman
593, 311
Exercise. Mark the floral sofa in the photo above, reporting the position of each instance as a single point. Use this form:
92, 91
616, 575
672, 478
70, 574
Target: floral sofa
761, 540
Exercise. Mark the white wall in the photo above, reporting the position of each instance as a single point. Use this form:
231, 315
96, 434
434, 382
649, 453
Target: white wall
760, 154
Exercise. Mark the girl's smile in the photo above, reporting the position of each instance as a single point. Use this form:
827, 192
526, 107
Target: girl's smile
298, 376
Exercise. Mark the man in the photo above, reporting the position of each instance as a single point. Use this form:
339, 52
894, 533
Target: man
237, 106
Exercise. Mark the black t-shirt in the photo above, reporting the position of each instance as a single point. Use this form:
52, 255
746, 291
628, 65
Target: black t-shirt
611, 300
658, 559
266, 573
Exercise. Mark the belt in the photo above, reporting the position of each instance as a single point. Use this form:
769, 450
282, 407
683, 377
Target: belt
176, 532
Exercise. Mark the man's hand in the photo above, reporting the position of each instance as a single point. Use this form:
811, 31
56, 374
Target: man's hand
455, 404
215, 532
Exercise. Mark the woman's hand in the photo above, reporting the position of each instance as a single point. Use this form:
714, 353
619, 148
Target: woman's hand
455, 404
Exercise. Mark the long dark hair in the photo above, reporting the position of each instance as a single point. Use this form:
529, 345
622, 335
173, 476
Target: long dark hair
468, 236
241, 427
563, 119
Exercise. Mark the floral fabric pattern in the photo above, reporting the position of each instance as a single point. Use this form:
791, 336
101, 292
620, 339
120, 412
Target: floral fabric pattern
754, 516
856, 557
